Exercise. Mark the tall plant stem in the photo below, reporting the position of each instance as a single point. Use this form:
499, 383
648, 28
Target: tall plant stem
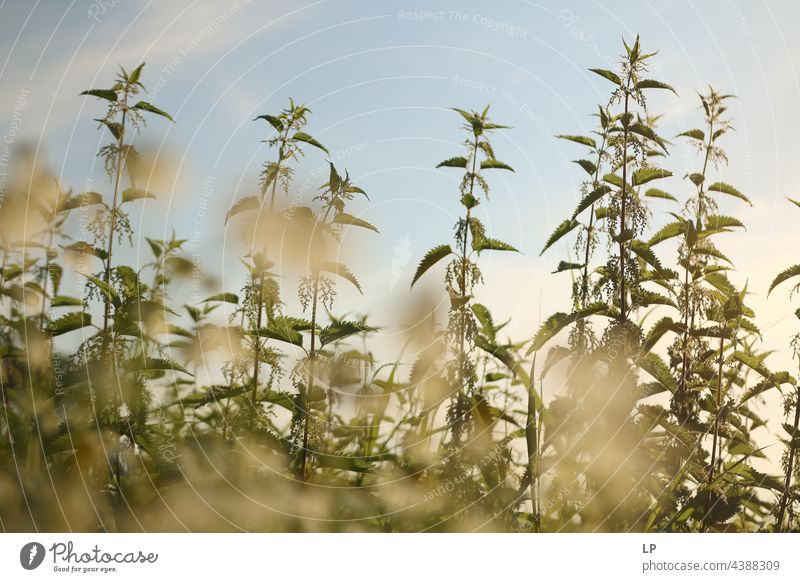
589, 231
623, 207
462, 332
46, 278
310, 383
687, 298
257, 345
113, 222
532, 443
713, 463
718, 399
790, 462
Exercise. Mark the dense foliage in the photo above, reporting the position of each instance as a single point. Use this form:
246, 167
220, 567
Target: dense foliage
110, 420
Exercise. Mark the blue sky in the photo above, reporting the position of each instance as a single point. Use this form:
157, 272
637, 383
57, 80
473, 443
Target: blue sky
379, 77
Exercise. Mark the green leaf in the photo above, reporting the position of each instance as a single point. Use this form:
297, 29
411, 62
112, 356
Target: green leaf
491, 244
716, 222
658, 369
587, 166
653, 84
132, 194
305, 138
656, 193
222, 297
606, 74
661, 327
555, 323
792, 271
671, 230
344, 218
565, 266
108, 291
147, 364
69, 322
65, 301
341, 330
729, 190
793, 201
495, 165
563, 229
694, 134
432, 257
150, 108
757, 365
342, 271
272, 120
82, 247
643, 251
457, 162
245, 204
76, 201
646, 132
285, 329
614, 180
106, 94
645, 175
588, 200
133, 78
581, 139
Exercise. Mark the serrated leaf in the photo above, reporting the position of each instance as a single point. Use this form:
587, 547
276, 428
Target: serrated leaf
78, 200
245, 204
645, 175
716, 221
344, 218
581, 139
146, 364
590, 199
643, 251
341, 330
222, 297
556, 322
729, 190
610, 75
150, 108
658, 369
69, 322
457, 162
305, 138
342, 271
131, 194
272, 120
432, 257
65, 301
565, 266
653, 84
562, 230
668, 231
656, 193
757, 365
106, 94
491, 244
785, 275
495, 165
83, 247
587, 166
694, 134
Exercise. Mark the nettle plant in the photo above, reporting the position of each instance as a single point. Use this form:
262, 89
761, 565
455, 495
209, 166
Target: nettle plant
262, 293
462, 273
790, 494
655, 426
124, 118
